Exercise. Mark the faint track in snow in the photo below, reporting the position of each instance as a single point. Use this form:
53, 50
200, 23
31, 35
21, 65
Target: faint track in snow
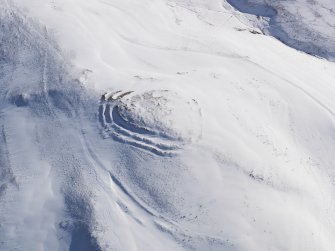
36, 84
163, 223
297, 87
182, 49
130, 196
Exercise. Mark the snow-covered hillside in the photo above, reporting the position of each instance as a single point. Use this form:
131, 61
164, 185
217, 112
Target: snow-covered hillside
307, 25
163, 125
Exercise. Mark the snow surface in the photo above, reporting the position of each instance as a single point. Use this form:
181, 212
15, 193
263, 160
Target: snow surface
307, 25
161, 125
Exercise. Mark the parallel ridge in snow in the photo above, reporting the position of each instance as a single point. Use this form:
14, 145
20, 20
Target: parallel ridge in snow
158, 121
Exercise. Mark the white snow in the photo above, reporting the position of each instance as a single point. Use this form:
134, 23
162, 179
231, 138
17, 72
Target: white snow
222, 138
307, 25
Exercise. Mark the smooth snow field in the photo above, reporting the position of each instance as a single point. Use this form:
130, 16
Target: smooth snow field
158, 125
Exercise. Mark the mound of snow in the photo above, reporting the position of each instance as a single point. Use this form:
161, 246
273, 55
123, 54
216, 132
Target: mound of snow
165, 113
159, 121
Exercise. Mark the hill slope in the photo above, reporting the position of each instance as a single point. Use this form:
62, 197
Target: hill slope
306, 25
160, 125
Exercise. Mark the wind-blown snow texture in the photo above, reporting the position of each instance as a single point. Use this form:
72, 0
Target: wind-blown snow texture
165, 125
